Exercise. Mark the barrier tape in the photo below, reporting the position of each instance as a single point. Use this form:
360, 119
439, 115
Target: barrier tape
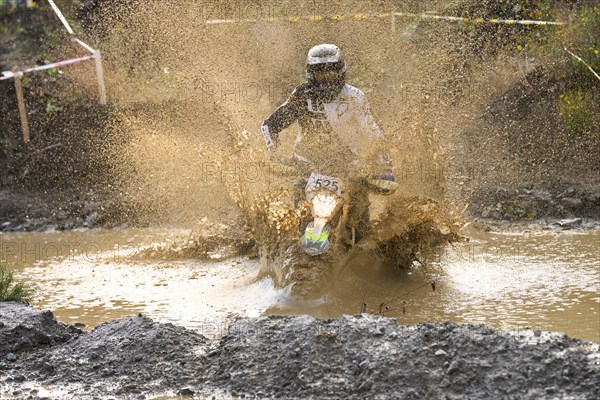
7, 75
12, 74
85, 46
316, 18
61, 16
584, 63
17, 75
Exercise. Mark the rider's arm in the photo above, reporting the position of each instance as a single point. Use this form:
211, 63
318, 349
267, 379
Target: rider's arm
281, 118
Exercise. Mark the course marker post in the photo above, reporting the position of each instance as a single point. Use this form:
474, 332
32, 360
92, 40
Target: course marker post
21, 102
100, 75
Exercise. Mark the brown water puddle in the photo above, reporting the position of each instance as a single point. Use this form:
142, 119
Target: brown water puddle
542, 280
92, 278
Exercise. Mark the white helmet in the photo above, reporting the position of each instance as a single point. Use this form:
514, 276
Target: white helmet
325, 57
324, 53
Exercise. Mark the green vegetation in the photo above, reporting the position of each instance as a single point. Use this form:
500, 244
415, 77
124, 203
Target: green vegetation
52, 105
9, 292
583, 38
547, 120
576, 109
578, 101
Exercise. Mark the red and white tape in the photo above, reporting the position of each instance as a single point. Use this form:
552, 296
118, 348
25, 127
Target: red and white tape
12, 74
95, 54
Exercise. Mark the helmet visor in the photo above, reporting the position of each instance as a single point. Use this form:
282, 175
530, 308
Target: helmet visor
326, 74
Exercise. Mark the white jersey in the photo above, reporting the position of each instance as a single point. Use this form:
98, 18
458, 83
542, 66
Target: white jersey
342, 128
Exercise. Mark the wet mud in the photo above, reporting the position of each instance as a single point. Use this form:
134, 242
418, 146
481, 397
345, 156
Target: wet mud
536, 202
23, 329
23, 212
298, 357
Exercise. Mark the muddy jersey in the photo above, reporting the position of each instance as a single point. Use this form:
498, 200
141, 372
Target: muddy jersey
340, 130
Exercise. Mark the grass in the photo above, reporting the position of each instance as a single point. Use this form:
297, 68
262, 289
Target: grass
10, 291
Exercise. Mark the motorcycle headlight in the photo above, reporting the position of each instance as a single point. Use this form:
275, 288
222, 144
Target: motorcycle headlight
323, 205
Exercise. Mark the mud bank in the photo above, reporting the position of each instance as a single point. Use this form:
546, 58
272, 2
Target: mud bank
295, 357
23, 329
42, 213
558, 205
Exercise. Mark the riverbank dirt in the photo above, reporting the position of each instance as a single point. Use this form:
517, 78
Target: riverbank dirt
22, 211
557, 205
351, 357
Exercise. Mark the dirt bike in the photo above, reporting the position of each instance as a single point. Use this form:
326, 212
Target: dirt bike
338, 209
329, 228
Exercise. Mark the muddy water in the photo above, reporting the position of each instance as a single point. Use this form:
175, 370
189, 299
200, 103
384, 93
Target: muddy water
547, 280
541, 280
91, 277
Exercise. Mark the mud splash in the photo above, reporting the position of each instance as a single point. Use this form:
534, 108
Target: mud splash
191, 99
407, 230
208, 241
412, 230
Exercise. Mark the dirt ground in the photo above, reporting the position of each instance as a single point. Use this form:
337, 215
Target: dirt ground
351, 357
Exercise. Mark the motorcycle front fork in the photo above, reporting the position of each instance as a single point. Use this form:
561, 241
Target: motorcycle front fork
341, 226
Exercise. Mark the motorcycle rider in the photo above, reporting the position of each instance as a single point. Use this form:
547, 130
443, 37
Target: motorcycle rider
336, 124
338, 134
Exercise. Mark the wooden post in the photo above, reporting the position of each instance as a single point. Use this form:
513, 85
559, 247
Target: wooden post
22, 111
100, 75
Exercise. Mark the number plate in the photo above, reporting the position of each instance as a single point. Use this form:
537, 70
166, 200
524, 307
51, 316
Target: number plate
319, 182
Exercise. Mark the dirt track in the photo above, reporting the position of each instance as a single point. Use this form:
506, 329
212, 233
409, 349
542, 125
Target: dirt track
354, 357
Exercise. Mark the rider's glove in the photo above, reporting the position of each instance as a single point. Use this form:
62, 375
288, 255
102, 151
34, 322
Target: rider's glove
267, 136
388, 175
384, 183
